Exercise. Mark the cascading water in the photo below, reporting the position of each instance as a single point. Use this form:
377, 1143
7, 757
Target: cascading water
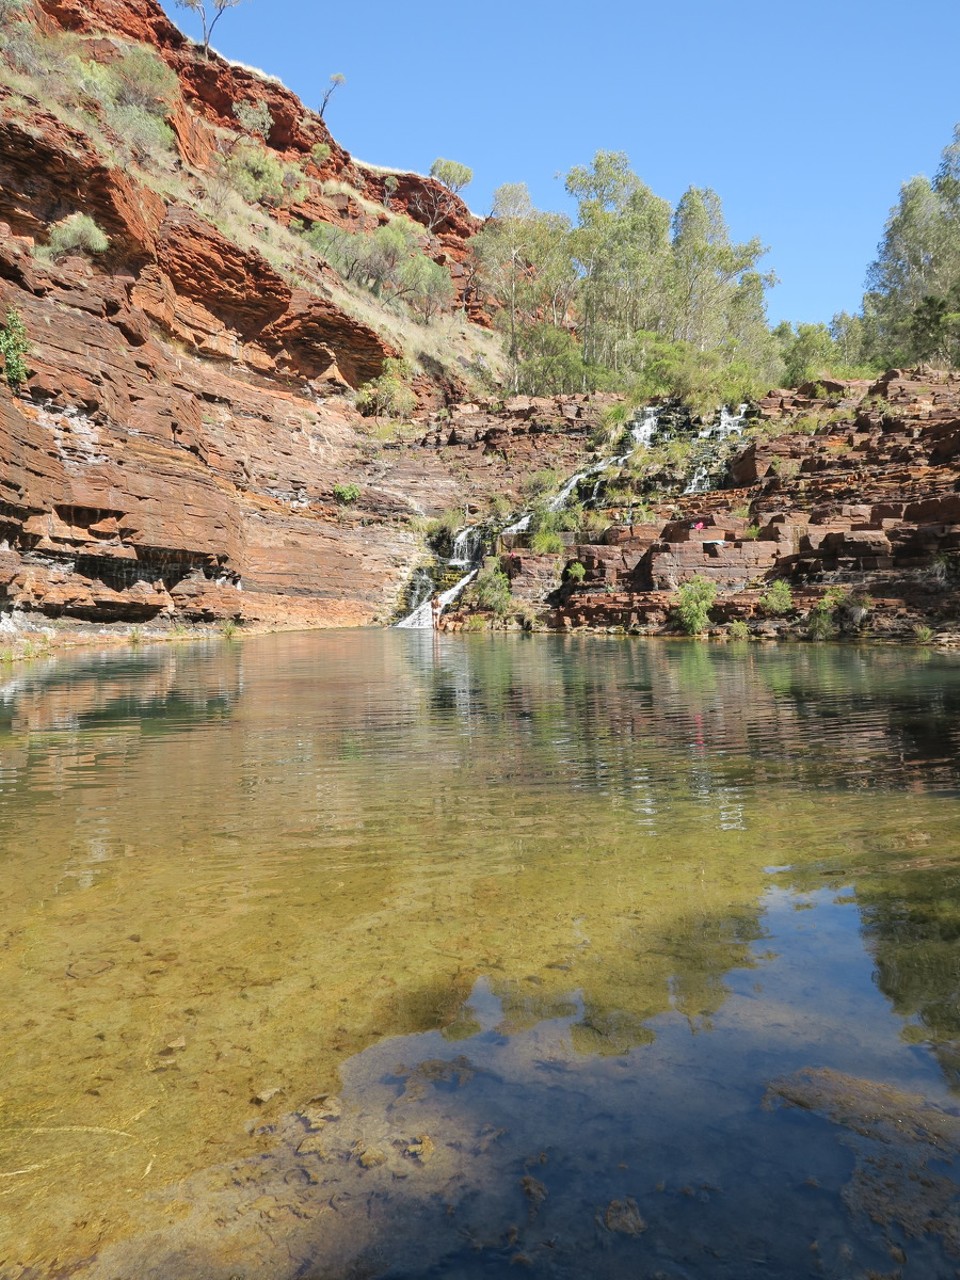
726, 426
421, 618
468, 543
467, 546
641, 432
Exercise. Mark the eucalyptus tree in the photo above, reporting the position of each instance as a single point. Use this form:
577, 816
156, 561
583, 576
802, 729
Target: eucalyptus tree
439, 200
209, 12
620, 247
913, 286
709, 271
524, 263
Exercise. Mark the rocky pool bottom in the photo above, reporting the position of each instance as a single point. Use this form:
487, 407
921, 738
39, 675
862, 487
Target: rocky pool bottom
365, 954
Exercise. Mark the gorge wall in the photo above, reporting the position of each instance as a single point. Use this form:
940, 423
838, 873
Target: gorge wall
175, 448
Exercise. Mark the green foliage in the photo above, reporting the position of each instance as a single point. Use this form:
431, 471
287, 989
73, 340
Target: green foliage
346, 494
738, 630
546, 542
256, 173
911, 310
14, 347
576, 571
539, 483
132, 95
388, 395
144, 135
544, 519
808, 351
820, 624
20, 44
320, 153
228, 628
491, 589
254, 118
452, 174
632, 296
143, 80
441, 531
751, 532
389, 261
438, 200
778, 600
77, 234
424, 285
695, 600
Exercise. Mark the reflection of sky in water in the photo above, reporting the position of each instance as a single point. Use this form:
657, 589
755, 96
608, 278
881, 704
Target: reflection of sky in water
638, 881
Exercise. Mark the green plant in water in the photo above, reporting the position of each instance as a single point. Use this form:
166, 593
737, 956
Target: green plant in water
779, 599
13, 347
346, 494
922, 633
820, 624
228, 628
136, 636
738, 630
695, 600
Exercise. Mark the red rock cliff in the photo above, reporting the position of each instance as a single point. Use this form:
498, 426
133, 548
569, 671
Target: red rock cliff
175, 448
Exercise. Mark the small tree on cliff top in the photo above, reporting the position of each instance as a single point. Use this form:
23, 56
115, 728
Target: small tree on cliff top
436, 202
210, 12
336, 80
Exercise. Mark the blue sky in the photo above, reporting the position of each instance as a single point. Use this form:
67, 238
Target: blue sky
804, 117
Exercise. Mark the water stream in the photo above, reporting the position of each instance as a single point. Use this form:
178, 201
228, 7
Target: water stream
468, 542
728, 425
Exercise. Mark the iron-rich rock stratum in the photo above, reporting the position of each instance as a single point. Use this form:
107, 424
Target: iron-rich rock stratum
186, 446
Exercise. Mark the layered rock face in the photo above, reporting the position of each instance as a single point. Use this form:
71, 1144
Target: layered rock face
175, 450
859, 493
849, 493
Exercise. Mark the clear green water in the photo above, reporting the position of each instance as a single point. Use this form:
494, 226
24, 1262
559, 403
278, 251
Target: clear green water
389, 954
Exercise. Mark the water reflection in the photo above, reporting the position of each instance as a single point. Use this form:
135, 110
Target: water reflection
230, 870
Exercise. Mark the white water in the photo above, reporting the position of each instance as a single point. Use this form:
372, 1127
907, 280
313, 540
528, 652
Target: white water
729, 424
641, 433
467, 544
422, 617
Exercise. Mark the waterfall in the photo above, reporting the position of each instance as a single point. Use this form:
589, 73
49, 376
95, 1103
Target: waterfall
727, 425
644, 429
467, 543
421, 619
467, 546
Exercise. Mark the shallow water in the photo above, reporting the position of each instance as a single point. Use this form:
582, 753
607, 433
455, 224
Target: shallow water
395, 954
